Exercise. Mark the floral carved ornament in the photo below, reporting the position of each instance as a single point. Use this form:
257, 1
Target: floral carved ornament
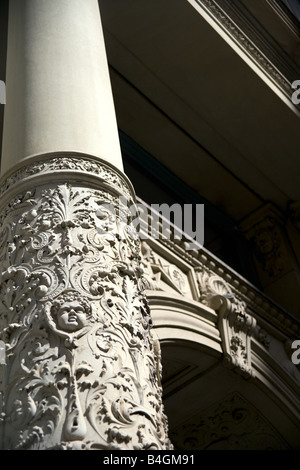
82, 368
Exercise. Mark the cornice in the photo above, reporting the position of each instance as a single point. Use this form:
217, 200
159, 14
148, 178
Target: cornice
253, 42
285, 16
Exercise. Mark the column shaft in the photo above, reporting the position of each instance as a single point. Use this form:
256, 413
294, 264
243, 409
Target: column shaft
81, 369
58, 90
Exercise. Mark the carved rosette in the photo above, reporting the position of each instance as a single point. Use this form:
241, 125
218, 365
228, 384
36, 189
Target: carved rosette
82, 370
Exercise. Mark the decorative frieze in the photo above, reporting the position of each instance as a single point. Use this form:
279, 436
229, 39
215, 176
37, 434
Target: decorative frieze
65, 165
82, 370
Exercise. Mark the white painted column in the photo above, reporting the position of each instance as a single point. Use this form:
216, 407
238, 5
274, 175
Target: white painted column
81, 369
58, 88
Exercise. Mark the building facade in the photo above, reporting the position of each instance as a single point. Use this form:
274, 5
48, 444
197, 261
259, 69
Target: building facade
115, 336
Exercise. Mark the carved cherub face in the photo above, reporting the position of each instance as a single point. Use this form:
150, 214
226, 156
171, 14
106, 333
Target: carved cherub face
106, 220
70, 314
265, 243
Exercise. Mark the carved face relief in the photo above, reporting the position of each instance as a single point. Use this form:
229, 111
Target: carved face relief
71, 317
70, 314
106, 220
265, 243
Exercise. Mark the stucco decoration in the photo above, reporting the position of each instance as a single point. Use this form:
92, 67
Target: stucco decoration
236, 326
82, 370
159, 274
231, 424
272, 253
267, 243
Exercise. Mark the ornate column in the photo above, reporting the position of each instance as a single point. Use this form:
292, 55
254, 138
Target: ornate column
80, 369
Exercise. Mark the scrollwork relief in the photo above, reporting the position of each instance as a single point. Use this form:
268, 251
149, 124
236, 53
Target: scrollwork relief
236, 326
82, 369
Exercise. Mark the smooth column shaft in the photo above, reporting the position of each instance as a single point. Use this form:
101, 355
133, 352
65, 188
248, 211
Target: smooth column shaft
59, 94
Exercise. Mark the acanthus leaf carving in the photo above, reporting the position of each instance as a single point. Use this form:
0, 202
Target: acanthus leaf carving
82, 368
235, 324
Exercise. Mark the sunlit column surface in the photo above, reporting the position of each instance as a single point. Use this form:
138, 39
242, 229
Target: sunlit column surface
80, 369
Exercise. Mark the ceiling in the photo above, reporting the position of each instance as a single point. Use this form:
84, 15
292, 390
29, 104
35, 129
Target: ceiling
189, 99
